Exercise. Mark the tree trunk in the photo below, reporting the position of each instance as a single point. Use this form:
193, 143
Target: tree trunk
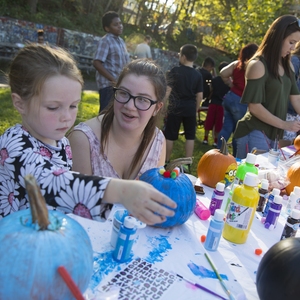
32, 6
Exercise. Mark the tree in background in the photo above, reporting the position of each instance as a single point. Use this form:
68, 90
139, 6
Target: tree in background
224, 24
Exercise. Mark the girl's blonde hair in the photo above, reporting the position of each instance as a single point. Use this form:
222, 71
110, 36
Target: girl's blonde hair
34, 64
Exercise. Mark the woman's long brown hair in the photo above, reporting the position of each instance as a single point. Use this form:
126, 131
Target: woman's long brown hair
139, 67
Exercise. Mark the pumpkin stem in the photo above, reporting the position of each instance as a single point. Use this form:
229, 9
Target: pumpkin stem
39, 211
178, 162
224, 148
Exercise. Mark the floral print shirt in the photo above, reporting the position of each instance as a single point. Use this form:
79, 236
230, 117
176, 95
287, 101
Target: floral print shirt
64, 190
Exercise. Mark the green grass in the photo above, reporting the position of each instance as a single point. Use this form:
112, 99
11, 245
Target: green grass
88, 109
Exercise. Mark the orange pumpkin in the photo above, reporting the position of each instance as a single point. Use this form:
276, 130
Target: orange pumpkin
297, 142
217, 166
293, 175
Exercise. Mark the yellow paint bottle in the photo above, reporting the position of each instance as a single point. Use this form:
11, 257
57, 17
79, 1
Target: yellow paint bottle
241, 210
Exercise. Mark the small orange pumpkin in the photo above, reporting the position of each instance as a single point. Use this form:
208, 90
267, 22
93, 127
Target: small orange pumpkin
297, 142
217, 166
293, 175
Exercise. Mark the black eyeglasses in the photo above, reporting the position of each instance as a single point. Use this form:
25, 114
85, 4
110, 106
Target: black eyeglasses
296, 22
140, 102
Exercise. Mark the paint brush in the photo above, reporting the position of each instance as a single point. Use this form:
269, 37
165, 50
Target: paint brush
219, 277
201, 287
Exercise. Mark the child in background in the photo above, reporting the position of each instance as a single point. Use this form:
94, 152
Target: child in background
110, 58
46, 90
184, 101
215, 113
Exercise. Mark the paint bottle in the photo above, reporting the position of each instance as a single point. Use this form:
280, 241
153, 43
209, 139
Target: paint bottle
217, 197
296, 190
273, 213
125, 240
273, 157
245, 167
201, 210
263, 194
270, 199
214, 232
230, 197
292, 201
291, 225
241, 210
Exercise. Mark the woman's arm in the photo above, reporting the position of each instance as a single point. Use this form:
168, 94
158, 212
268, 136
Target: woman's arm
81, 154
226, 73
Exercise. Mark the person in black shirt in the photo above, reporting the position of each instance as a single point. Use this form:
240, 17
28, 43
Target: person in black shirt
186, 88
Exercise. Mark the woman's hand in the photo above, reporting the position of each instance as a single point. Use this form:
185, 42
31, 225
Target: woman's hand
292, 126
141, 200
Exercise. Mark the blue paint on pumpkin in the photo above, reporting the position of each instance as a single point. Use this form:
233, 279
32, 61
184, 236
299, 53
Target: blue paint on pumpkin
30, 257
180, 189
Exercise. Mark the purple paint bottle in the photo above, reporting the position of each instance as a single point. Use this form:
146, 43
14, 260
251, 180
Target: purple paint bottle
273, 213
217, 197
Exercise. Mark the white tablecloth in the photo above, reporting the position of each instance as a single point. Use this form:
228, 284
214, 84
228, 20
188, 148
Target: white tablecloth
179, 250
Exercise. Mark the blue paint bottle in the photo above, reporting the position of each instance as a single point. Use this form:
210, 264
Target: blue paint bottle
217, 197
273, 213
215, 231
274, 193
125, 240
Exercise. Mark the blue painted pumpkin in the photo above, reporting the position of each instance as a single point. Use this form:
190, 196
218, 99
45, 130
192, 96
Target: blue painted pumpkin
179, 189
31, 256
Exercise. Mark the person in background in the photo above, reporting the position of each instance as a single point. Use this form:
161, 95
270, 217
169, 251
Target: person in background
208, 72
110, 58
143, 50
270, 85
215, 113
40, 36
46, 90
234, 76
291, 115
186, 88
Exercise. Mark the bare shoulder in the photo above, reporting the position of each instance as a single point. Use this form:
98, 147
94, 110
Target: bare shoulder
255, 69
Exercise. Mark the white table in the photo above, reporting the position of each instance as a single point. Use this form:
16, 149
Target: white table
179, 250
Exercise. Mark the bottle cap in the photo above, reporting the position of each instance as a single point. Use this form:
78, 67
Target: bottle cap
295, 214
219, 215
251, 158
277, 199
129, 222
220, 187
275, 191
296, 190
265, 184
251, 179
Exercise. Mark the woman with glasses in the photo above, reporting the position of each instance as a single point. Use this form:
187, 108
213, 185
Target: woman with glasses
124, 141
270, 84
